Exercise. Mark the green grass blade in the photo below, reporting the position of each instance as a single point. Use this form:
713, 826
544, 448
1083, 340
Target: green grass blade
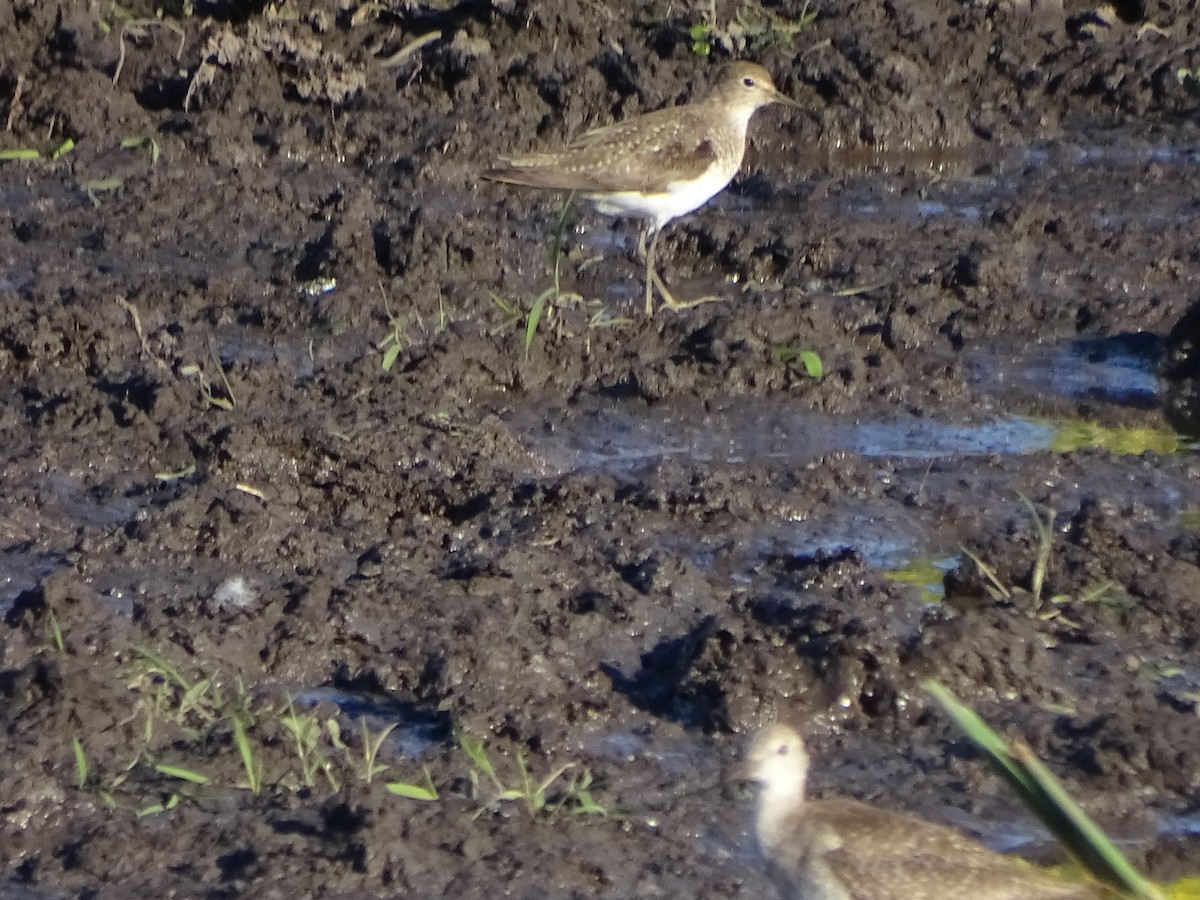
390, 356
479, 757
585, 803
412, 791
56, 632
1078, 833
181, 773
81, 762
535, 316
987, 740
253, 770
1041, 793
62, 149
813, 367
19, 153
165, 668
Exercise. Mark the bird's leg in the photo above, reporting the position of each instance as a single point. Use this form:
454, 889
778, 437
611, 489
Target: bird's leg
642, 235
654, 281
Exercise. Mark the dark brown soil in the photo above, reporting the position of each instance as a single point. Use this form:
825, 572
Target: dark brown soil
634, 544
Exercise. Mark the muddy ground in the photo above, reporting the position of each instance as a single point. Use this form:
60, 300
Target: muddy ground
630, 546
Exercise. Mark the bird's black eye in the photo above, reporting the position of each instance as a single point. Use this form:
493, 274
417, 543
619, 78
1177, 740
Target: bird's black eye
783, 748
748, 81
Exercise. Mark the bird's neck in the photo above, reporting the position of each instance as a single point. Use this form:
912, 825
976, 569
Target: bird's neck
739, 117
775, 806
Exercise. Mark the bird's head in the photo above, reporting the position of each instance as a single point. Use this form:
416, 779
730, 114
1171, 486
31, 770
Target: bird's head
778, 762
748, 86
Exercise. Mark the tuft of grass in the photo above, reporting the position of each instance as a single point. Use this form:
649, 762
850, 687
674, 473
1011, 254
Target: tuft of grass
535, 316
365, 765
1043, 525
166, 695
573, 793
305, 730
754, 28
1044, 796
179, 712
554, 292
512, 313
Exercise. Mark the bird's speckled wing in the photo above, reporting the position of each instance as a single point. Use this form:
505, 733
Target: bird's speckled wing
878, 855
646, 153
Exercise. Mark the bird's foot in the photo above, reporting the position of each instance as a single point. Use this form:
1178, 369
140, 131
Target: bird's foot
688, 304
655, 282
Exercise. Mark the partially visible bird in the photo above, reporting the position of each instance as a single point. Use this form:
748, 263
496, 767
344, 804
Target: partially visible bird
657, 166
843, 849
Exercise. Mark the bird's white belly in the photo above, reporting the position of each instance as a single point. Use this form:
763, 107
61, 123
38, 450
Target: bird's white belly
680, 197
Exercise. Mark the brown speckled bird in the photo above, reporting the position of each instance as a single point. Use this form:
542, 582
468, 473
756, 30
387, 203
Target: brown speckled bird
842, 849
657, 166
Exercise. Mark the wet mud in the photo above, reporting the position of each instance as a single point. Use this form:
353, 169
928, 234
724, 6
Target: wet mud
281, 470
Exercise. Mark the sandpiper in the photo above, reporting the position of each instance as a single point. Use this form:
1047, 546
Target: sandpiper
842, 849
658, 166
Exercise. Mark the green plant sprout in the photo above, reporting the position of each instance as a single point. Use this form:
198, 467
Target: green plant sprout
250, 764
182, 773
100, 186
147, 141
305, 730
165, 694
575, 790
392, 345
81, 762
426, 792
55, 632
206, 387
62, 149
367, 766
155, 809
796, 358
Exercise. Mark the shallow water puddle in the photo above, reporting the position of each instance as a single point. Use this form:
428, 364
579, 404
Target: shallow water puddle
884, 535
622, 439
21, 571
1121, 370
